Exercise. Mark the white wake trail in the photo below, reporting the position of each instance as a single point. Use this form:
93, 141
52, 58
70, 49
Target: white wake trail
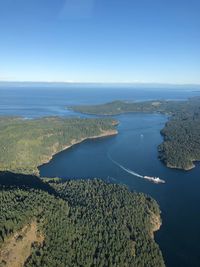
125, 169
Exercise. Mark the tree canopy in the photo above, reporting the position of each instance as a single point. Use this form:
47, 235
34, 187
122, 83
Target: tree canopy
84, 222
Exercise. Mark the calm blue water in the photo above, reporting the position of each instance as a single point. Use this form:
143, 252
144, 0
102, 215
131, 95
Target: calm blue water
135, 147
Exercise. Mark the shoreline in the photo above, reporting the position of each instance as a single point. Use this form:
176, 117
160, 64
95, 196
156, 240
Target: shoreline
189, 168
76, 142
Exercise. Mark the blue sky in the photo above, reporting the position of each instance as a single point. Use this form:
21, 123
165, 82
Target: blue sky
100, 40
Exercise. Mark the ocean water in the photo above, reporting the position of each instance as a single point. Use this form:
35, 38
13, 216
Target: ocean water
37, 102
135, 148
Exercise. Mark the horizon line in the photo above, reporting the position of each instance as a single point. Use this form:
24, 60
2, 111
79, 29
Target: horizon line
101, 83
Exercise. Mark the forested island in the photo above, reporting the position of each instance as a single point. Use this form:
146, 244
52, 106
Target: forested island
119, 107
75, 223
27, 144
181, 146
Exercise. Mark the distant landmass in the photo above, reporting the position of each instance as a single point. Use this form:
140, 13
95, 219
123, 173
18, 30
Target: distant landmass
72, 84
181, 146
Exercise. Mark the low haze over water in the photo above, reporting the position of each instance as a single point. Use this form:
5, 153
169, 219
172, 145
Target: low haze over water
135, 147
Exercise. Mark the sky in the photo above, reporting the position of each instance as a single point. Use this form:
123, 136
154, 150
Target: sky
133, 41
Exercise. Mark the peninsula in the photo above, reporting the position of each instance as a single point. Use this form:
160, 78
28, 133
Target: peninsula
27, 144
181, 146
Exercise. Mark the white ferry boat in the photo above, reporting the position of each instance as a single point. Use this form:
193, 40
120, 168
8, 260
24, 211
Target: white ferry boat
155, 180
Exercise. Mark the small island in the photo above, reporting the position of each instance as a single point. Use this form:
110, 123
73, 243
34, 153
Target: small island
51, 222
181, 146
27, 144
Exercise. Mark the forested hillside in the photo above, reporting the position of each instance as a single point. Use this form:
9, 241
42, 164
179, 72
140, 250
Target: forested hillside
82, 222
181, 146
26, 144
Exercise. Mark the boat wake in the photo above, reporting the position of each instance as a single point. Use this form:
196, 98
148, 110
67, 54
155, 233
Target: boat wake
156, 180
125, 169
